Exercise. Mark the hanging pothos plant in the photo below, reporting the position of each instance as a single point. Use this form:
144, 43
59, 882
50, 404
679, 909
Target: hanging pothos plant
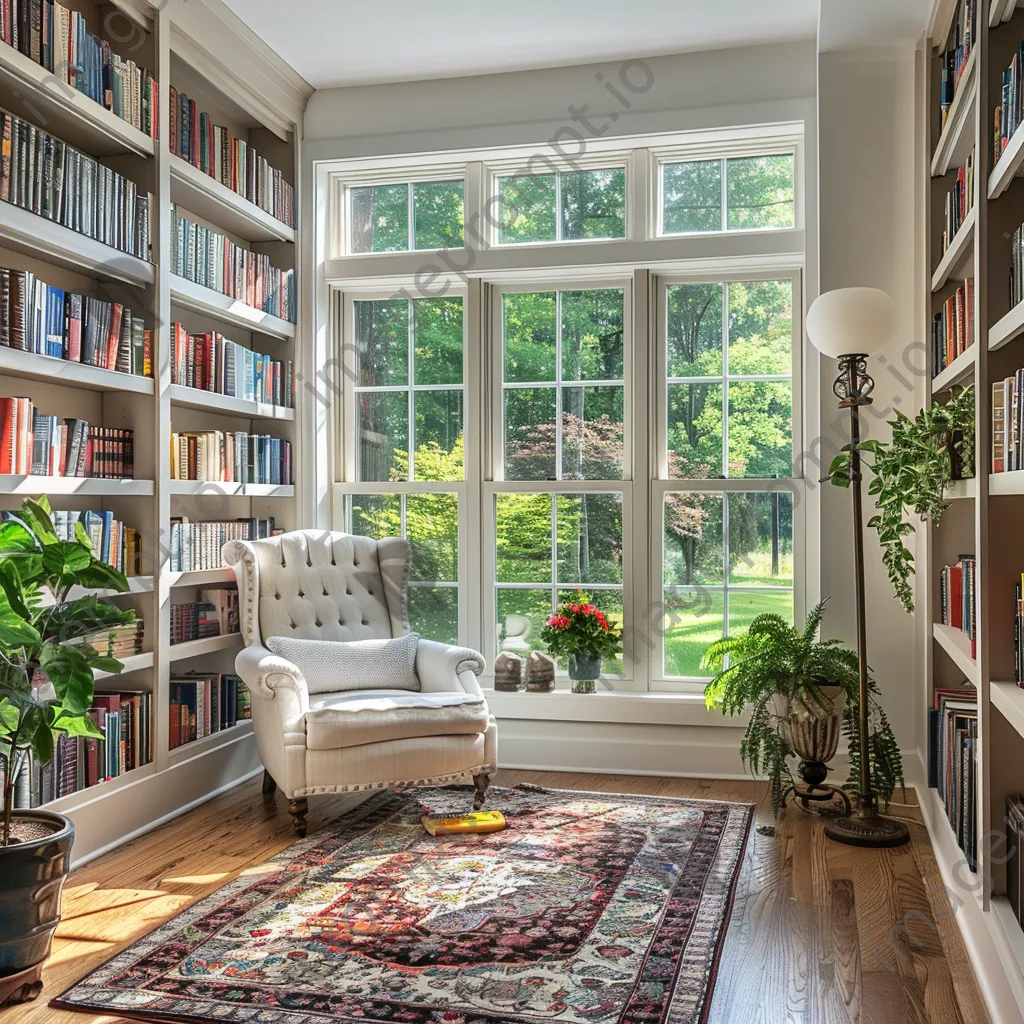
910, 473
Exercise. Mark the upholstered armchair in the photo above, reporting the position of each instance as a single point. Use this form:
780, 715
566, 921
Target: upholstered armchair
328, 733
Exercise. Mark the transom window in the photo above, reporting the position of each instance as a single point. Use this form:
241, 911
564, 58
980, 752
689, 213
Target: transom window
623, 419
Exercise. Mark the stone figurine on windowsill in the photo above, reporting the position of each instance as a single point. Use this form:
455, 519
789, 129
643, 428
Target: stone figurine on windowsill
540, 673
508, 672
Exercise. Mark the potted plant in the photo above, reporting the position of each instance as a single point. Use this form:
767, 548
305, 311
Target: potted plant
580, 631
46, 690
800, 691
910, 475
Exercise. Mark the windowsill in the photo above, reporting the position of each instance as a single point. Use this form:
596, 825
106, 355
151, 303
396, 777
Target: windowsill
624, 708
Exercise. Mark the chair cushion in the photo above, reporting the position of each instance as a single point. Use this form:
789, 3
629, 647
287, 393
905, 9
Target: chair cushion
331, 665
376, 716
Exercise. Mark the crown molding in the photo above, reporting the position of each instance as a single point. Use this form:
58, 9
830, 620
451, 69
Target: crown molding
224, 50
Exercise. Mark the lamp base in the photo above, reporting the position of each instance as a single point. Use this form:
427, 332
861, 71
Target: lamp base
874, 831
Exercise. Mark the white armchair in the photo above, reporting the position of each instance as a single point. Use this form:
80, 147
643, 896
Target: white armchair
335, 737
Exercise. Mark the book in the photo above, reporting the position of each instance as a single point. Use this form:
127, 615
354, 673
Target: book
959, 47
959, 201
197, 547
958, 598
219, 457
214, 614
202, 704
475, 821
953, 327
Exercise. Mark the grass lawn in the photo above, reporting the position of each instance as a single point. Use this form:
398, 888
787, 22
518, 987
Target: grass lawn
699, 627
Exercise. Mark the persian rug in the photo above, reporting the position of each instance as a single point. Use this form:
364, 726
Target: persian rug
587, 907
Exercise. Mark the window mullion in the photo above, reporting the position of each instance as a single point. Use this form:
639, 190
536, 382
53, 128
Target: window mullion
558, 386
725, 381
412, 218
554, 551
411, 377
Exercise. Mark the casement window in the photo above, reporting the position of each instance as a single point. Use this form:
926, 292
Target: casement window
548, 423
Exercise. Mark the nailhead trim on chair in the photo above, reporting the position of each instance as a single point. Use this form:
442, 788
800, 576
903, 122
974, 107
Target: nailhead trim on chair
437, 780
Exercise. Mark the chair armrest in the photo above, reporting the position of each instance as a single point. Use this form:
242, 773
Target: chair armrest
440, 668
270, 676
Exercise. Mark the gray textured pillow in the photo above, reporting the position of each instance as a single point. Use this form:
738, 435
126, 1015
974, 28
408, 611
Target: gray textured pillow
330, 665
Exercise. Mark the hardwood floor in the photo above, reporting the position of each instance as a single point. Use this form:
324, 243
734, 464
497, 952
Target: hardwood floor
820, 933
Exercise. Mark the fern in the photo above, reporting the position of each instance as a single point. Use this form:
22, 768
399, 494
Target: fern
773, 657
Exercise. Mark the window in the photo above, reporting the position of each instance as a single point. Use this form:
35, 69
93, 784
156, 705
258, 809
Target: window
727, 552
732, 194
406, 216
562, 207
539, 418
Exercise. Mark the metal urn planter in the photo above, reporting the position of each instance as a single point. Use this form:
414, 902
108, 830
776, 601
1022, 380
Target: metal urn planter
813, 732
32, 876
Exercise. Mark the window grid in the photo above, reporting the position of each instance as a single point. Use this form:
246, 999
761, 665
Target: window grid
413, 389
410, 186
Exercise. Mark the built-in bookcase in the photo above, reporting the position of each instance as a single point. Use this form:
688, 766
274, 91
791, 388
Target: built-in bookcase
984, 515
225, 74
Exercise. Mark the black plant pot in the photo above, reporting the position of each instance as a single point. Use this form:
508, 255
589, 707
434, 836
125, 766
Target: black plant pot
32, 875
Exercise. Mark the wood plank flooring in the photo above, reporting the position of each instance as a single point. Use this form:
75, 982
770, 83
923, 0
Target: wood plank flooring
820, 933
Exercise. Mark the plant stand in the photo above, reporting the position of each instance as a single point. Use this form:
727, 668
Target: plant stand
22, 987
819, 793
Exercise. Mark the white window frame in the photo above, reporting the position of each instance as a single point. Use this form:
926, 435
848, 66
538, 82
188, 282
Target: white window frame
663, 485
481, 271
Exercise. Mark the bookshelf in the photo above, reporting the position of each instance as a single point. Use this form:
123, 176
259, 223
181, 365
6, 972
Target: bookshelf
984, 519
201, 49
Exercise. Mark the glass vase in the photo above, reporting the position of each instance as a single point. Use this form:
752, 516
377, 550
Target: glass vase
584, 671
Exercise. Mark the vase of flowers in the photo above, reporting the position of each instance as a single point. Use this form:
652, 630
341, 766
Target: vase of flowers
580, 631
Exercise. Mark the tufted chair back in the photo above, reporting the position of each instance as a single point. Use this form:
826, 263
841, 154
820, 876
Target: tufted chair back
319, 585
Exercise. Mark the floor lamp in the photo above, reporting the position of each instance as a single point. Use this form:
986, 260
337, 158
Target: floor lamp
850, 325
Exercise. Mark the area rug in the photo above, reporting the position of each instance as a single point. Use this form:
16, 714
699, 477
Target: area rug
588, 907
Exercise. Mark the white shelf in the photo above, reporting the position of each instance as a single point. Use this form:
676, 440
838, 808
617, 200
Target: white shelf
202, 578
32, 366
211, 401
1009, 699
227, 310
956, 373
66, 804
228, 489
68, 113
136, 585
1009, 941
86, 486
957, 138
1000, 11
36, 236
957, 489
1007, 328
194, 748
1006, 483
208, 645
215, 202
133, 663
955, 258
957, 645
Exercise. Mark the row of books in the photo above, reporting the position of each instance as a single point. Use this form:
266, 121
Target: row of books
952, 769
196, 547
1016, 275
112, 542
232, 161
1015, 855
958, 203
953, 327
45, 175
202, 704
59, 40
45, 445
958, 598
959, 48
80, 762
1008, 115
1008, 423
116, 641
214, 614
211, 362
211, 259
230, 457
40, 318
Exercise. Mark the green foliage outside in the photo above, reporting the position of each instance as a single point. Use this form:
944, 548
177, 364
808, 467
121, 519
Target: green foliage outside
46, 678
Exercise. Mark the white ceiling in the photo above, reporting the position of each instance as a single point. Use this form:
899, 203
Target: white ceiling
362, 42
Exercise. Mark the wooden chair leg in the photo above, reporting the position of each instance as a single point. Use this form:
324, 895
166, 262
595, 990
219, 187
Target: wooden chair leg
269, 785
297, 809
480, 782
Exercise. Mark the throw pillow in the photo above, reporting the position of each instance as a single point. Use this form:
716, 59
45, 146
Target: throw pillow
330, 665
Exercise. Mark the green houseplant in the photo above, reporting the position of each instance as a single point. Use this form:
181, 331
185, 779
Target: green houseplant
580, 631
775, 671
46, 689
910, 474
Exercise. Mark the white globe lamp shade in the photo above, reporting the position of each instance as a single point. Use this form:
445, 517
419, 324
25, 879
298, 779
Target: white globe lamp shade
851, 321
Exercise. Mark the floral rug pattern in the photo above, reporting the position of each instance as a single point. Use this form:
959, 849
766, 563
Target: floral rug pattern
589, 907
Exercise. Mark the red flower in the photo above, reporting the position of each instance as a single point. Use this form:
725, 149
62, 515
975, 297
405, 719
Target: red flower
558, 621
574, 608
589, 609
